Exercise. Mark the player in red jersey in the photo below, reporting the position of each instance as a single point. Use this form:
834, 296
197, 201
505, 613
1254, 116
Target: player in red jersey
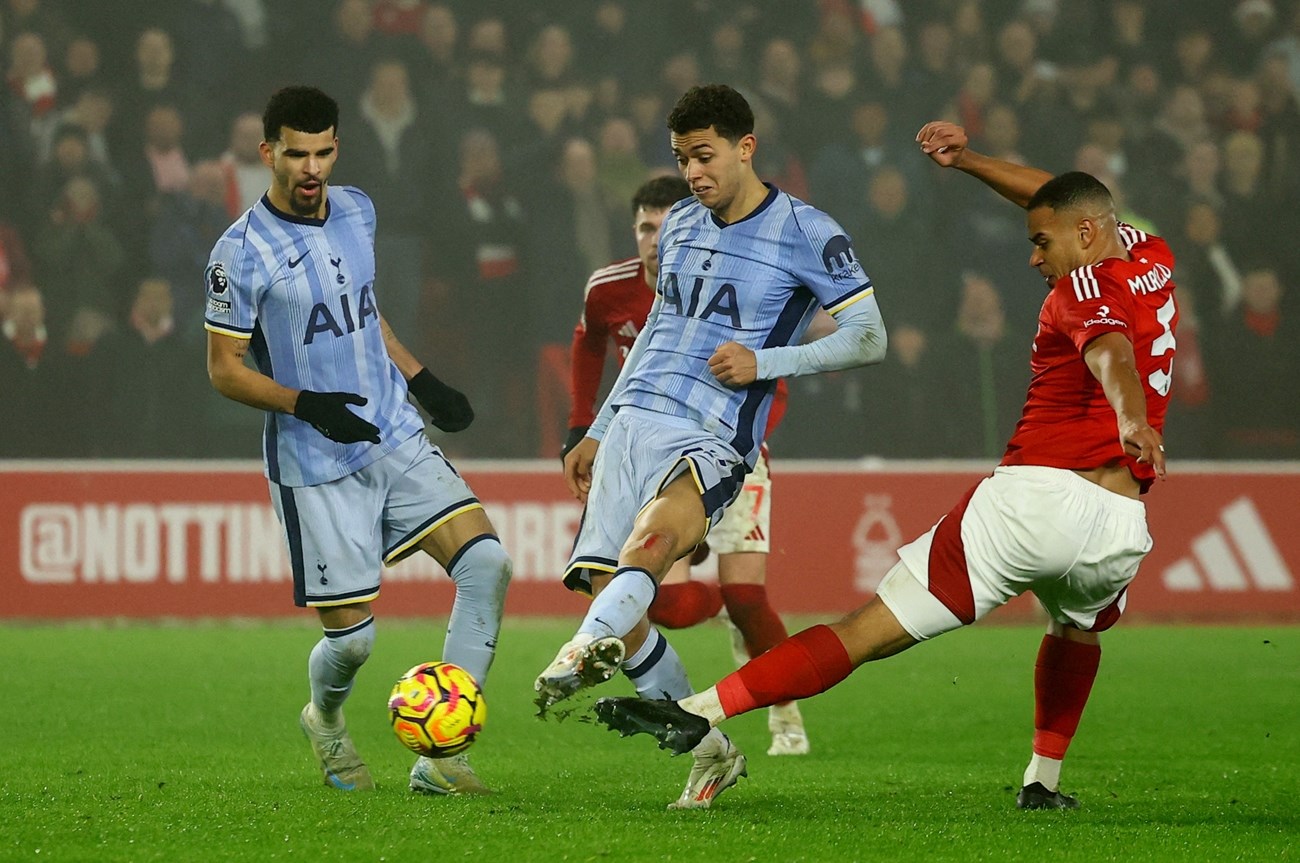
1060, 517
615, 306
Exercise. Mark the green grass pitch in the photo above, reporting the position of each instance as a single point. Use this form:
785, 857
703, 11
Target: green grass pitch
159, 742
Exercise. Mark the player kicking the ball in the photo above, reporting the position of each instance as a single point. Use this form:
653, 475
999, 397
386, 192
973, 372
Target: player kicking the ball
1060, 517
743, 269
353, 479
616, 303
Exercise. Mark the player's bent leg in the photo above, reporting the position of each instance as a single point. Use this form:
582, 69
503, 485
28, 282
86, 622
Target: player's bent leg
349, 635
468, 549
665, 530
1067, 664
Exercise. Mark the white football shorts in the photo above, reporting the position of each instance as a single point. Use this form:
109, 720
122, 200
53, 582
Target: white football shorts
746, 525
340, 532
641, 453
1074, 544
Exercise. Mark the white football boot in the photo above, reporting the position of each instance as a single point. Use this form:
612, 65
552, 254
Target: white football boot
339, 762
451, 775
788, 734
585, 661
718, 766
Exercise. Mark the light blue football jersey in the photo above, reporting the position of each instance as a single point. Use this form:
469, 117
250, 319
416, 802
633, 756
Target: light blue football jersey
303, 292
758, 282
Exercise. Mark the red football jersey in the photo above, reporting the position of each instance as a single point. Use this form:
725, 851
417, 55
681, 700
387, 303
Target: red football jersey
617, 302
1067, 421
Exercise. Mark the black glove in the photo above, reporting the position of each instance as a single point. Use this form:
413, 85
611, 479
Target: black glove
576, 434
329, 415
447, 408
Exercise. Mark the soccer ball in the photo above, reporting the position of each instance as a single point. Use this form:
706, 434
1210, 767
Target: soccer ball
437, 709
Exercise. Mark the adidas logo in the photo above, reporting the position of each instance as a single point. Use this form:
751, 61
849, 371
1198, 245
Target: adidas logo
1236, 555
755, 535
629, 330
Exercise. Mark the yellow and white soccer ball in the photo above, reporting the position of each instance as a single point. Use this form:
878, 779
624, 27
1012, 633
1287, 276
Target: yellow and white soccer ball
437, 709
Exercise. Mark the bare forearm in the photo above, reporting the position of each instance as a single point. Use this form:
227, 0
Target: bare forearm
405, 361
242, 384
1016, 183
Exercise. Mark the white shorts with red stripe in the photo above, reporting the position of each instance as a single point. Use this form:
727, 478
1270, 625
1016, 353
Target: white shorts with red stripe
747, 522
1074, 544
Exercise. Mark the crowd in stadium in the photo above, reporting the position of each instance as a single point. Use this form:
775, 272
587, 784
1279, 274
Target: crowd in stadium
501, 142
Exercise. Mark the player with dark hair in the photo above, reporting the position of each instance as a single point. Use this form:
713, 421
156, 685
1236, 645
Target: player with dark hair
616, 302
353, 479
1060, 517
743, 268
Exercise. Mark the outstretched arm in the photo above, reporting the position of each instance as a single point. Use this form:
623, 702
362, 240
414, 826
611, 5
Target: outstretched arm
945, 143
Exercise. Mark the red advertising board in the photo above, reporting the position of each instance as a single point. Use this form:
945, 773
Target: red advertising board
199, 539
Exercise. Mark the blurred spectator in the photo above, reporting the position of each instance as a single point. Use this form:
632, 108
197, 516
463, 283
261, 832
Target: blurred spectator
889, 235
728, 59
889, 75
15, 265
550, 59
583, 230
488, 36
1257, 348
215, 64
1126, 36
1193, 53
35, 16
974, 96
399, 18
480, 249
69, 157
1024, 77
648, 112
984, 391
834, 92
1252, 226
842, 169
85, 366
1156, 159
901, 417
33, 89
778, 162
241, 165
485, 102
92, 112
937, 74
78, 258
389, 145
621, 171
81, 68
342, 65
180, 240
1206, 267
30, 393
780, 87
160, 377
1254, 24
438, 55
155, 169
152, 84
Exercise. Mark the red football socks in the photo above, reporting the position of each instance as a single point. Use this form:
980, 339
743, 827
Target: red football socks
754, 616
687, 603
1063, 679
805, 664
